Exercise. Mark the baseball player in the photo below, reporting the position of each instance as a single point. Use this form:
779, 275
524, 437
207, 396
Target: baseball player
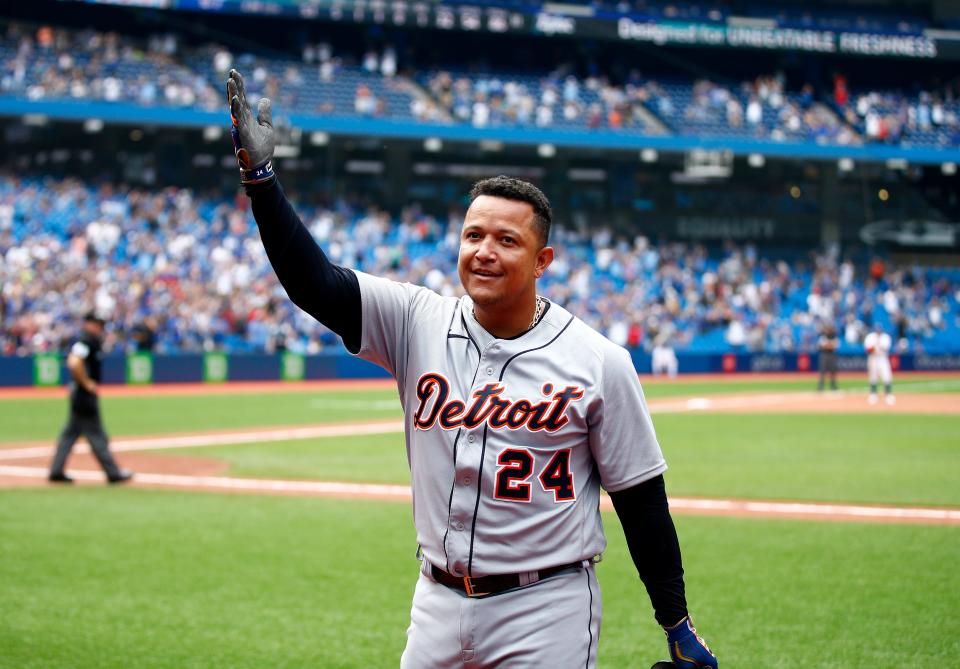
84, 364
663, 359
516, 413
878, 344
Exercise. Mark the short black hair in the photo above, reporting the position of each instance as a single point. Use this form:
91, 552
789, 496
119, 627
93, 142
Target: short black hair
521, 191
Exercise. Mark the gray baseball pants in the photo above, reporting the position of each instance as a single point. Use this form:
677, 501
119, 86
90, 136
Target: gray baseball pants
554, 623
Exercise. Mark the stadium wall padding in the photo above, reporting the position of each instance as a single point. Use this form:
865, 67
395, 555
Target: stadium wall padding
194, 367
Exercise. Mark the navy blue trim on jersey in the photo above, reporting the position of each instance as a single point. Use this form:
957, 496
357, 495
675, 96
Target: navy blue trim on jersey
456, 442
483, 451
476, 508
590, 620
463, 322
453, 486
537, 348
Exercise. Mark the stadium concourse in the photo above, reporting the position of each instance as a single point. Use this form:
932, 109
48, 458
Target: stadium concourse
192, 267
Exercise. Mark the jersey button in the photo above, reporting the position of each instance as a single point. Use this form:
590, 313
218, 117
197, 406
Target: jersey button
470, 438
458, 527
489, 371
466, 480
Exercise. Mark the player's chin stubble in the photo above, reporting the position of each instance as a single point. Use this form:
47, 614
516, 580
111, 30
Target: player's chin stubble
484, 297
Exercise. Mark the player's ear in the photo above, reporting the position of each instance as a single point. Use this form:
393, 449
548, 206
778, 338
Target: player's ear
544, 258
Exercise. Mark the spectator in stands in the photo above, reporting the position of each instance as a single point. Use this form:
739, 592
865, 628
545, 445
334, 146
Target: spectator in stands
365, 103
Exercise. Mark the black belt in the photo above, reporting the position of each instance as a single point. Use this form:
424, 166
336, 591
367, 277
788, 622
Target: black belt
492, 585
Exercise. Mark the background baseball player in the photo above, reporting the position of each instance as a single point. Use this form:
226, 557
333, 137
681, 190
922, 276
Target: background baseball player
663, 359
827, 345
515, 414
877, 344
84, 364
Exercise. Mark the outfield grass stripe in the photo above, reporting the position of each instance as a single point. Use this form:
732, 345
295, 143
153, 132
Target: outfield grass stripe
223, 438
400, 492
229, 437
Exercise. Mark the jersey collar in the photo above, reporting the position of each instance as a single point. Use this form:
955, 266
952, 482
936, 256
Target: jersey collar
553, 321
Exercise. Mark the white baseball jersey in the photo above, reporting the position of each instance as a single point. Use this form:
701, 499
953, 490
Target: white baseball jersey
878, 346
509, 440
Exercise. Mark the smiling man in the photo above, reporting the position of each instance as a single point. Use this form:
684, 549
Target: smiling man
503, 251
516, 414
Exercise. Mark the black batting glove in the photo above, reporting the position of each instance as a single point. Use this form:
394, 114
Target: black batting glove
252, 138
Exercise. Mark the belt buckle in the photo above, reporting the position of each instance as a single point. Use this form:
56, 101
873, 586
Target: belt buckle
469, 589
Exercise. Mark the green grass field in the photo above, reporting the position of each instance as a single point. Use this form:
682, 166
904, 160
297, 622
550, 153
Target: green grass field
108, 577
135, 578
856, 458
31, 419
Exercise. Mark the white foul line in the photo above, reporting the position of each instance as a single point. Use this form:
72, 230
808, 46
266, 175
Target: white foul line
402, 492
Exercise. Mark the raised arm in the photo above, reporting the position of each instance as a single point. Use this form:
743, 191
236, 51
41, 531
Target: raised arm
328, 292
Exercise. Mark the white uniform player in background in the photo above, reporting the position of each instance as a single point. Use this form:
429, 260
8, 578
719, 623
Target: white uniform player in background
877, 345
516, 414
664, 359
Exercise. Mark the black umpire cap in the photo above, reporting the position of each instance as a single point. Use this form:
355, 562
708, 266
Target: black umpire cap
92, 317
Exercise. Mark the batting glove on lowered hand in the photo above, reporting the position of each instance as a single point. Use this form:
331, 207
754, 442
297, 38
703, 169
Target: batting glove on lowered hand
687, 649
252, 138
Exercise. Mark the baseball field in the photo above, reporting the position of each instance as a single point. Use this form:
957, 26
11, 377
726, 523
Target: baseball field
270, 526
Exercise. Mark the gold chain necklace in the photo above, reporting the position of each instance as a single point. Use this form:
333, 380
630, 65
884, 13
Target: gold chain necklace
538, 312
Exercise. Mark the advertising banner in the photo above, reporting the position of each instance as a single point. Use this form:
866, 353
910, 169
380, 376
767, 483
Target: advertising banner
46, 369
292, 367
140, 368
215, 367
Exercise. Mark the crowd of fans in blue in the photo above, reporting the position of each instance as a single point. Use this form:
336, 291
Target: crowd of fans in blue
48, 63
180, 270
186, 272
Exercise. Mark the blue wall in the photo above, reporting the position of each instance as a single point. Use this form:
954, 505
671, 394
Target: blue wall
187, 368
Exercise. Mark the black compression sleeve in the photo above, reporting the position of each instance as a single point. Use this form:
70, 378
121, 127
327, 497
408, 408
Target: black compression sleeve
329, 293
654, 547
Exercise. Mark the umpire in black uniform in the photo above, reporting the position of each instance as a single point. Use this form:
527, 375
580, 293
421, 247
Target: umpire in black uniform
828, 344
84, 362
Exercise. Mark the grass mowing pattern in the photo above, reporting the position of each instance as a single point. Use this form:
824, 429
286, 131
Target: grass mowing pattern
380, 458
856, 458
29, 419
99, 577
32, 419
861, 458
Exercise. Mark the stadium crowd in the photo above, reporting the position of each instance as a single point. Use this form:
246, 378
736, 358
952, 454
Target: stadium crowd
186, 272
46, 63
51, 63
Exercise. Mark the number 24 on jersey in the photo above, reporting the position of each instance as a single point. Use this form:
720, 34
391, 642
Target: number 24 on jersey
515, 466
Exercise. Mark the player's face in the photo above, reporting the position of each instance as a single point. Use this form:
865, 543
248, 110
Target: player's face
501, 253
